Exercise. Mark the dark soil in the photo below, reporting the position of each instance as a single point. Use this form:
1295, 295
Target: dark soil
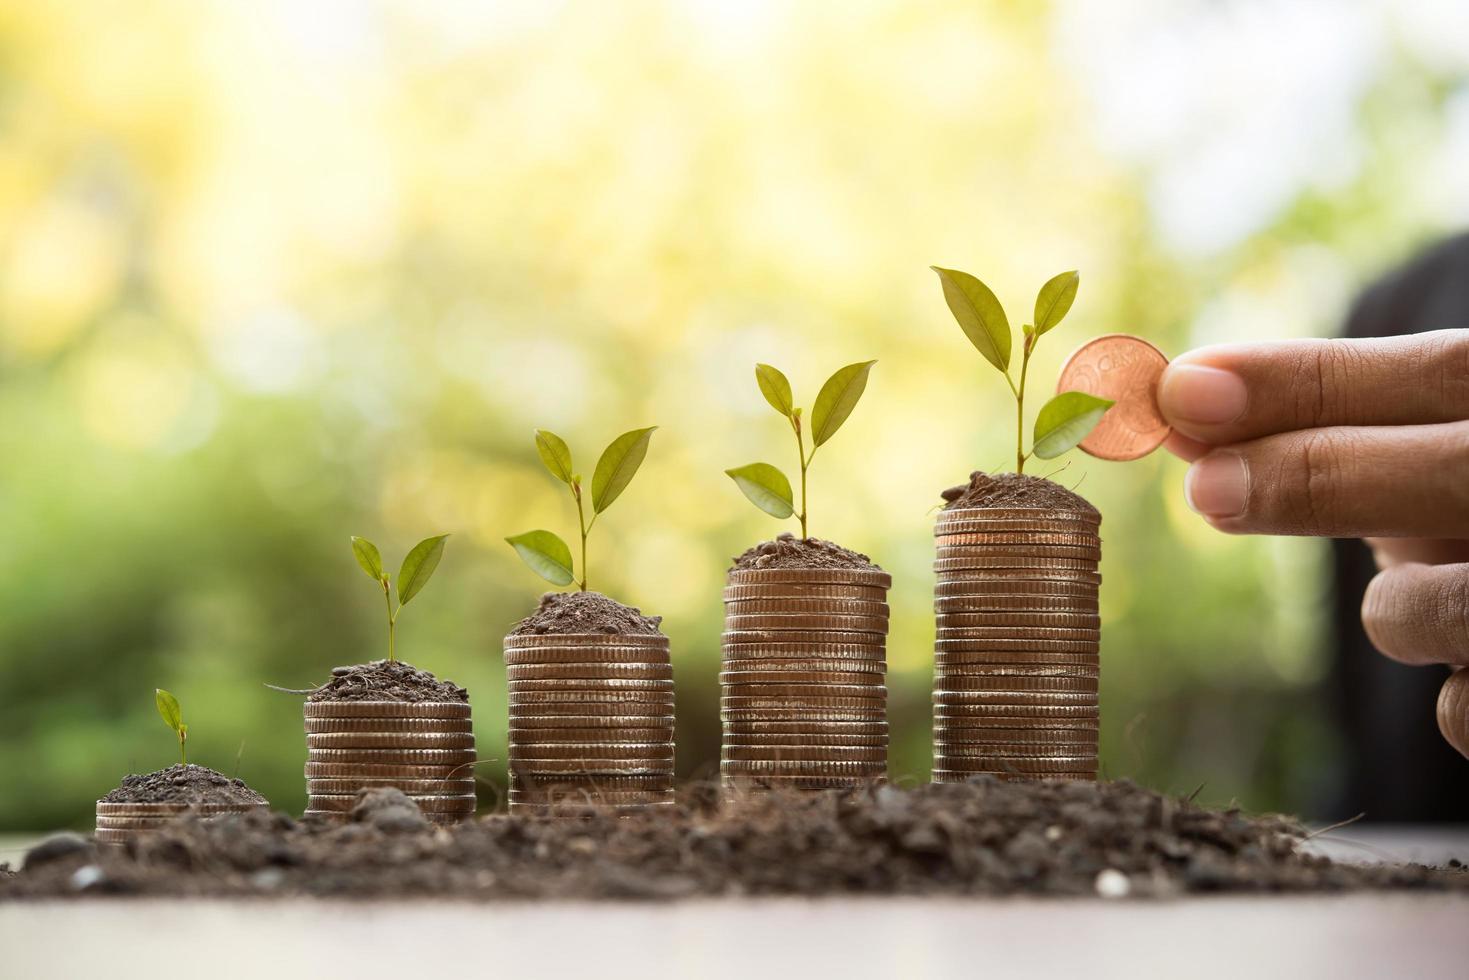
789, 551
386, 680
985, 837
1017, 490
586, 612
183, 784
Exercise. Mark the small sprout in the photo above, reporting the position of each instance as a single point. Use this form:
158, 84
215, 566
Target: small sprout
417, 568
765, 485
173, 717
544, 551
1065, 420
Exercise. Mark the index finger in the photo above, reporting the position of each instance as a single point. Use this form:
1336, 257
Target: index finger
1235, 392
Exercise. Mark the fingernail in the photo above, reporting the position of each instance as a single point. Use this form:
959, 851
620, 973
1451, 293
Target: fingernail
1218, 485
1196, 393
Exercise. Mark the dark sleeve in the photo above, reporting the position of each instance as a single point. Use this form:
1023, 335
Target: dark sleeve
1396, 767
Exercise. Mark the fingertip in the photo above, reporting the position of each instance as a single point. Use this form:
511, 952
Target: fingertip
1453, 711
1185, 447
1196, 395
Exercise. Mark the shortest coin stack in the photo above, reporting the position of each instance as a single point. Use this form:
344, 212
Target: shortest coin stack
117, 823
424, 748
804, 668
1016, 662
591, 722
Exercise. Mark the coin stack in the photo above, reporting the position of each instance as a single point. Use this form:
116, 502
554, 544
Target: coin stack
1016, 658
591, 722
118, 823
424, 748
804, 668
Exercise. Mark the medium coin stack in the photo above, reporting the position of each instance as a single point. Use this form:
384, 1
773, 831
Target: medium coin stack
424, 748
591, 722
803, 682
1016, 657
118, 823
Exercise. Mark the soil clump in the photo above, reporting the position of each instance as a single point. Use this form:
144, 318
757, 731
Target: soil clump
586, 612
789, 551
983, 837
188, 784
1017, 490
386, 680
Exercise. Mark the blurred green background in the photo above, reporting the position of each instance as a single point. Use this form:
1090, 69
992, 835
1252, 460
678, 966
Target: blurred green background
278, 273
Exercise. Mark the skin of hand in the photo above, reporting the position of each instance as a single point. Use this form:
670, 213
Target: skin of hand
1352, 439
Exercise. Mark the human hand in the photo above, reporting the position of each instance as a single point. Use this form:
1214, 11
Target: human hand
1346, 438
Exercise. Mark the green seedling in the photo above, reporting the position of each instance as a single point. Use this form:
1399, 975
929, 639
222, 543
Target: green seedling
546, 554
413, 575
173, 717
1066, 419
765, 485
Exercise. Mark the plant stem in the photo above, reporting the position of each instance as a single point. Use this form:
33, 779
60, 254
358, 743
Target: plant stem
801, 455
581, 521
1020, 411
183, 756
392, 617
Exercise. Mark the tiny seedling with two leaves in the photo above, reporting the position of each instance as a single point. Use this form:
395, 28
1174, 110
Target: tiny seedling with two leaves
765, 485
544, 551
173, 717
1066, 419
413, 575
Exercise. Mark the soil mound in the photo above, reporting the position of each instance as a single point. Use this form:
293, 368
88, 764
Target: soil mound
183, 784
1017, 490
586, 612
789, 551
984, 837
385, 680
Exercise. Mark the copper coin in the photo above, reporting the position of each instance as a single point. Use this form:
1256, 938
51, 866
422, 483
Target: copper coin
804, 590
803, 702
821, 607
321, 726
1014, 539
171, 809
390, 740
589, 722
427, 804
995, 714
1087, 699
806, 622
965, 629
132, 823
1055, 563
953, 749
948, 776
591, 702
988, 526
569, 684
836, 637
792, 690
575, 797
591, 750
568, 781
1015, 618
1080, 728
872, 577
1017, 763
1016, 736
1002, 589
802, 716
587, 671
950, 514
735, 678
531, 768
1127, 370
581, 655
806, 664
528, 641
808, 652
1070, 604
1018, 670
801, 767
1026, 645
354, 770
829, 729
433, 787
527, 736
1017, 658
386, 709
804, 753
976, 580
988, 683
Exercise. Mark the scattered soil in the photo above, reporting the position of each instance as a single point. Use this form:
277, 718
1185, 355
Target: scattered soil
1018, 490
586, 612
984, 837
789, 551
384, 680
183, 784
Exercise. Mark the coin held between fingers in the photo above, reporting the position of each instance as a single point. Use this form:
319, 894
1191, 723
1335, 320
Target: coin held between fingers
1126, 370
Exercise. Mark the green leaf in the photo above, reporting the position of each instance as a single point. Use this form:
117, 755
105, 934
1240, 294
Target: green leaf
555, 454
776, 389
419, 566
767, 488
368, 557
618, 464
1054, 300
1065, 420
168, 707
546, 554
979, 313
836, 400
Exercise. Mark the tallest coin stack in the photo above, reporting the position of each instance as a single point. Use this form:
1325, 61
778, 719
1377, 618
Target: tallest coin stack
1016, 660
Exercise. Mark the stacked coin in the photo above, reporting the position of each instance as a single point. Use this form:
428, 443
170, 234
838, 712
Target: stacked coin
591, 722
118, 823
424, 748
803, 682
1016, 664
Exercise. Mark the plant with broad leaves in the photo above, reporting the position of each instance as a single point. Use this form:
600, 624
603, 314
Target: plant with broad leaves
765, 485
173, 717
546, 554
1066, 419
413, 575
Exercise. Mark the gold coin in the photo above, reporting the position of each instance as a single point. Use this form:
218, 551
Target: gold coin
386, 709
872, 577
